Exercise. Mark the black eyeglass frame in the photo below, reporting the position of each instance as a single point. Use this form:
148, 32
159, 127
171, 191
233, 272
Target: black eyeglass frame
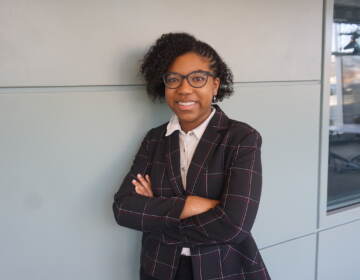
187, 78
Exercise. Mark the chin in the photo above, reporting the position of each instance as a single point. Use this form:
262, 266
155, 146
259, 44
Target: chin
187, 117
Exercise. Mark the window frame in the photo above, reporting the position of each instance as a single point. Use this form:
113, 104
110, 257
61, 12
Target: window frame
348, 213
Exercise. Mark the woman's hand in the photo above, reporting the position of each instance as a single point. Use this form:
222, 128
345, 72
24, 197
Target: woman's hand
143, 185
195, 205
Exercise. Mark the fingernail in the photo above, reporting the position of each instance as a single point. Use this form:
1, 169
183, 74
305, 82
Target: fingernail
139, 175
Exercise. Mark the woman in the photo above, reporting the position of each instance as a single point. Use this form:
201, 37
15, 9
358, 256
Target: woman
194, 186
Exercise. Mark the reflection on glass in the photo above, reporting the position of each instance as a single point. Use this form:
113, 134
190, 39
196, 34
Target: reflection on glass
344, 136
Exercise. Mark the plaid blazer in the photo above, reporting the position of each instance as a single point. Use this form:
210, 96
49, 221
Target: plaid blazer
226, 166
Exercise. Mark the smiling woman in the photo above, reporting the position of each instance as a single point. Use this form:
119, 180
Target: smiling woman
192, 105
194, 186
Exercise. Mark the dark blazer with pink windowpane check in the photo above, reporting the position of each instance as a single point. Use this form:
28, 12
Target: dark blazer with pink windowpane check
226, 166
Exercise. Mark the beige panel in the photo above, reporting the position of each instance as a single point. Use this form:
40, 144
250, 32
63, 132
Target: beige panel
101, 42
339, 253
287, 116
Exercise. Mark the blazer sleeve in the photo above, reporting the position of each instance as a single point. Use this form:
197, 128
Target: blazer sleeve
232, 219
140, 212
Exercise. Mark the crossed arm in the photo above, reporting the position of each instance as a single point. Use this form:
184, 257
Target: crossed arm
194, 205
193, 220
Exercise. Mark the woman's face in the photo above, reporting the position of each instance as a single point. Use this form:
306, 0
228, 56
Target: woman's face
191, 105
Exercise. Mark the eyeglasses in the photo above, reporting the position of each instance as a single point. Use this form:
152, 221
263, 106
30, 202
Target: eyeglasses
196, 79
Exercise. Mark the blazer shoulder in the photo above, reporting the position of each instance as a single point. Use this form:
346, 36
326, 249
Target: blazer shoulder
156, 133
239, 131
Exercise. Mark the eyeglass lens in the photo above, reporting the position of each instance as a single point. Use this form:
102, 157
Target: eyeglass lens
197, 79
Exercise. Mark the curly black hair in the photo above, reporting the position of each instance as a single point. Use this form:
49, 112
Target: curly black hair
167, 48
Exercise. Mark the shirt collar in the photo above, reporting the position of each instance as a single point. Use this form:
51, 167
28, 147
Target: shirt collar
198, 131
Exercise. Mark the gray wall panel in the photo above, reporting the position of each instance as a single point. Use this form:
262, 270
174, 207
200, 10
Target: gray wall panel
65, 151
339, 253
63, 155
100, 42
287, 117
293, 260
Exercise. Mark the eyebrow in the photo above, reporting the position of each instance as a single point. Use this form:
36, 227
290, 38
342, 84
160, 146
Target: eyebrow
199, 70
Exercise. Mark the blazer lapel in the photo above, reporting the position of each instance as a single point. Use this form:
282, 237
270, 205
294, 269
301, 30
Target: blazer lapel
173, 162
205, 148
203, 152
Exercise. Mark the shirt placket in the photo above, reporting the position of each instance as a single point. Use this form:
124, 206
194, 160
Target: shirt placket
183, 158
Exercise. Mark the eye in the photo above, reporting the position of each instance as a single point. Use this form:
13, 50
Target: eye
198, 78
172, 79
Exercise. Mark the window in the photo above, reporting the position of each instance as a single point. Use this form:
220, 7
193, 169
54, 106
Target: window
344, 134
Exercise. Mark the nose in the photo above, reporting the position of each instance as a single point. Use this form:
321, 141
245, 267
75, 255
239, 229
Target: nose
185, 87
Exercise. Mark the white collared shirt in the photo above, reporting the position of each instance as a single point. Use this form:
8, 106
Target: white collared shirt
187, 143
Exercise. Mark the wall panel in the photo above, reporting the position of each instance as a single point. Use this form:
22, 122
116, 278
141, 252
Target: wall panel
339, 253
100, 42
64, 153
293, 260
287, 117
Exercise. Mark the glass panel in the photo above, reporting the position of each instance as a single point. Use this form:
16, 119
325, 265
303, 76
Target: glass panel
344, 134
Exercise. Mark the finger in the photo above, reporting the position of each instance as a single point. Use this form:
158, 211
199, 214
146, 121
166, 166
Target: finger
137, 183
142, 180
148, 181
139, 188
145, 184
147, 177
141, 191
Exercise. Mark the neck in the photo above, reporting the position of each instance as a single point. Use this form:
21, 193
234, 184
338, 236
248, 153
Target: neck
187, 126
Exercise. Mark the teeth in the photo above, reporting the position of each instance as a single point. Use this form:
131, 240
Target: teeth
186, 103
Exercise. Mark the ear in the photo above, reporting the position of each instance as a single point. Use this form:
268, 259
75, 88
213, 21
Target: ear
216, 84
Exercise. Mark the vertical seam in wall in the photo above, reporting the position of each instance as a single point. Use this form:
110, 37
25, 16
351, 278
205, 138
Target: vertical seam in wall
323, 44
316, 256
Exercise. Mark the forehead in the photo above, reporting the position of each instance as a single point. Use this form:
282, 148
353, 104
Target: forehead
189, 62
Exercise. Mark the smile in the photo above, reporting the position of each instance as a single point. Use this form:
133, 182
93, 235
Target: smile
185, 105
189, 103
